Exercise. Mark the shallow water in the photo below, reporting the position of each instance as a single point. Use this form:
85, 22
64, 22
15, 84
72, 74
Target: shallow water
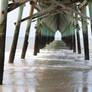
50, 71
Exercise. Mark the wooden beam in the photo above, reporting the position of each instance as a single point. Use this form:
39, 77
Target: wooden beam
3, 21
16, 5
41, 14
72, 10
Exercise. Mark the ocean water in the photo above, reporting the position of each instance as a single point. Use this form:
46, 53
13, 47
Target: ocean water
50, 71
19, 48
30, 48
20, 43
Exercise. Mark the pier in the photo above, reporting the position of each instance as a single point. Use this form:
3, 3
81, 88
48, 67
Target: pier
55, 65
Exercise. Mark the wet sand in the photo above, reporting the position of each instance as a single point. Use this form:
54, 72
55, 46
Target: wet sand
50, 71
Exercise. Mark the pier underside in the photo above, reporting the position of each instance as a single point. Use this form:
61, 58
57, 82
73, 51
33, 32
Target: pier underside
55, 65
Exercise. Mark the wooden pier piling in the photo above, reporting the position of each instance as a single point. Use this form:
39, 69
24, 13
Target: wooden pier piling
86, 45
74, 42
68, 41
16, 35
85, 35
3, 21
25, 44
78, 42
37, 42
90, 13
42, 38
51, 38
42, 41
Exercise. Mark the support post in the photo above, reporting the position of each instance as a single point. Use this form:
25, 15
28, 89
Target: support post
90, 12
16, 35
42, 45
74, 42
51, 38
78, 42
3, 21
25, 44
37, 42
85, 35
68, 41
42, 41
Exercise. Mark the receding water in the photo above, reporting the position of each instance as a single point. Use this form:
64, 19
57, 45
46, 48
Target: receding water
50, 71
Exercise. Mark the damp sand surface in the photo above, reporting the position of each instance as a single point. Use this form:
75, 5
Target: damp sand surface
49, 71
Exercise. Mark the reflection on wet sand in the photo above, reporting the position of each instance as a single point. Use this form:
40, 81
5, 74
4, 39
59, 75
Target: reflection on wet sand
41, 75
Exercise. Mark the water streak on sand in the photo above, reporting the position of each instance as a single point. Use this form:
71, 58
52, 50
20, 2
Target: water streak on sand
51, 72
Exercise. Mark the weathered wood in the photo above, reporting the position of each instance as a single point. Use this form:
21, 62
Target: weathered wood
16, 34
68, 41
57, 9
25, 44
43, 41
74, 42
37, 43
86, 45
78, 42
90, 12
51, 38
42, 38
3, 19
85, 35
16, 5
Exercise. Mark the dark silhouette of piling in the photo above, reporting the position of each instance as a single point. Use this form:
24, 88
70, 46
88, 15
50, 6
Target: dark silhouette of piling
74, 42
85, 35
3, 21
41, 41
25, 44
16, 35
78, 42
68, 41
90, 13
37, 42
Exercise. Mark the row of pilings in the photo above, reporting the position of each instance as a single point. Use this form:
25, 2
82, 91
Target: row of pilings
71, 39
40, 40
